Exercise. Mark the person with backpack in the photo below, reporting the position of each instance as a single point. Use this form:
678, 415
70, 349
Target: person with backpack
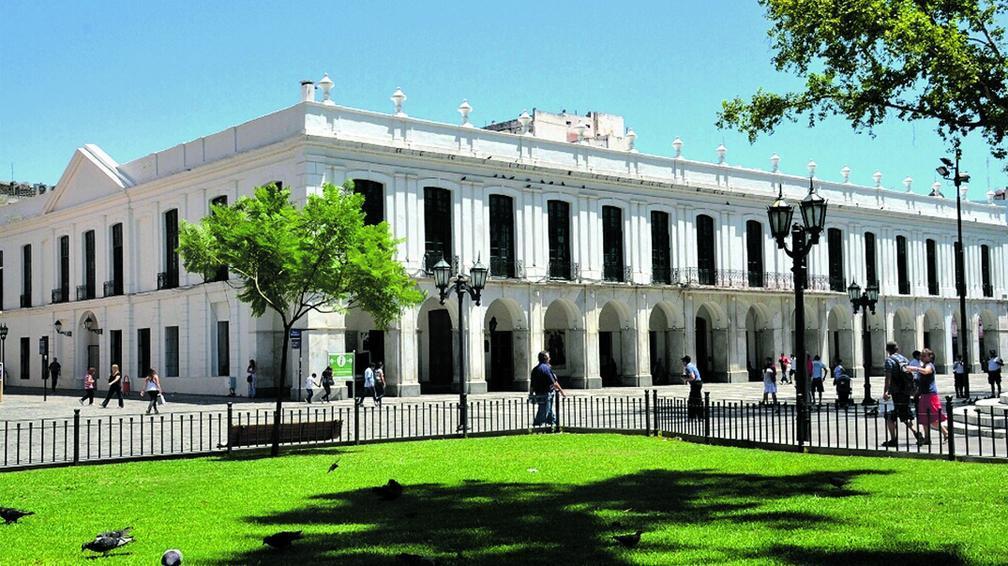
379, 383
994, 365
899, 386
327, 383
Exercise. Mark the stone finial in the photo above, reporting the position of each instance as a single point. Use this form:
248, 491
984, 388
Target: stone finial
907, 182
464, 109
326, 83
631, 137
398, 97
990, 197
774, 163
811, 168
721, 152
677, 144
845, 173
878, 179
936, 190
524, 119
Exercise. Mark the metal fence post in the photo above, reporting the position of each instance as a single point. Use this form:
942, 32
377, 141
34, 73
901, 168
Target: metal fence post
76, 448
647, 412
230, 409
464, 414
654, 402
706, 415
951, 428
356, 422
559, 403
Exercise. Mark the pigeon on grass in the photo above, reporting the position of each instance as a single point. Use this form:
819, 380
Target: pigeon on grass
333, 467
283, 539
105, 545
11, 515
628, 541
390, 491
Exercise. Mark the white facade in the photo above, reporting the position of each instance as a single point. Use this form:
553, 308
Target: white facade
632, 321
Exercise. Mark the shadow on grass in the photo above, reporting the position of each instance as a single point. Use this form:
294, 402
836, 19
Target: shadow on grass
476, 522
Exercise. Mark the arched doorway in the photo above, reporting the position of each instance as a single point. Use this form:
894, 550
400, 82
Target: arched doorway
759, 341
563, 338
615, 344
840, 338
934, 338
436, 348
505, 342
710, 344
665, 344
88, 343
875, 345
362, 337
904, 332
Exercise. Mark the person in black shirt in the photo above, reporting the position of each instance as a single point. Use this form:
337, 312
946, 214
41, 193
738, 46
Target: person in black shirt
544, 387
54, 372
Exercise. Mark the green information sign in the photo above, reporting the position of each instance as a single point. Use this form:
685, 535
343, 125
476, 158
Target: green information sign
342, 365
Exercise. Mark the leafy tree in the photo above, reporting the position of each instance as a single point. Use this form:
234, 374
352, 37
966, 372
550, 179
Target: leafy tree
865, 60
292, 261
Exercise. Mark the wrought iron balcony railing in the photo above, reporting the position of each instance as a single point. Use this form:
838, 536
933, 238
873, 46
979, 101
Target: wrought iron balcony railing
112, 288
503, 267
85, 292
60, 295
167, 280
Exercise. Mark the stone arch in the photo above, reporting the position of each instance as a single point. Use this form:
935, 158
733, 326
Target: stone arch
905, 331
505, 336
437, 343
876, 353
934, 338
89, 344
666, 342
987, 337
617, 339
759, 340
710, 342
563, 338
839, 337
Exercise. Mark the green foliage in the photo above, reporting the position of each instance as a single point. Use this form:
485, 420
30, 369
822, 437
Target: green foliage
537, 499
865, 60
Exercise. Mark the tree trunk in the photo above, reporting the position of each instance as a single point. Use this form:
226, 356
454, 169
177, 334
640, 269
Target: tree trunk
278, 383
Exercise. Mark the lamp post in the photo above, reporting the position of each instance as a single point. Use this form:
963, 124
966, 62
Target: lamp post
3, 358
473, 286
803, 238
950, 171
865, 300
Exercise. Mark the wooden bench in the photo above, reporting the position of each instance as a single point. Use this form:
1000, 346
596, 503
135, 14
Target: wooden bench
290, 433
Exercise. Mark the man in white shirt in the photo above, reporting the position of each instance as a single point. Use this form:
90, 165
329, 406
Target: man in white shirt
994, 364
368, 385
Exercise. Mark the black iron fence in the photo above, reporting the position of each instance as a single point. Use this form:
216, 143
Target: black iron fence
847, 429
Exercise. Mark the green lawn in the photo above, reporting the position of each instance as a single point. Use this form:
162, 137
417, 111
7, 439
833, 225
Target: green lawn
553, 499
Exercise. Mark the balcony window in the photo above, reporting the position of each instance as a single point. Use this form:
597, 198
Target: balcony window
222, 272
169, 279
89, 266
985, 271
932, 267
26, 276
754, 254
871, 263
706, 250
559, 239
374, 200
612, 243
502, 260
834, 241
661, 251
902, 269
437, 226
115, 286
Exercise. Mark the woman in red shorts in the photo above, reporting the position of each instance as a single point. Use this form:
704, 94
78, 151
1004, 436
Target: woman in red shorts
929, 406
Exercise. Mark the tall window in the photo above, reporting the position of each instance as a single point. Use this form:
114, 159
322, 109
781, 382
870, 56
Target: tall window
26, 276
89, 266
171, 349
932, 267
117, 260
115, 348
706, 251
223, 348
25, 357
222, 272
62, 293
661, 251
902, 271
374, 200
502, 260
834, 239
612, 243
871, 264
559, 239
438, 226
170, 278
985, 271
143, 351
754, 253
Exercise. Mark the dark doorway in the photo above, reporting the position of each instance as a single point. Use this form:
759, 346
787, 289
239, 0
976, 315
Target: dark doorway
836, 347
115, 349
440, 350
374, 344
607, 365
501, 361
703, 349
143, 352
927, 339
92, 358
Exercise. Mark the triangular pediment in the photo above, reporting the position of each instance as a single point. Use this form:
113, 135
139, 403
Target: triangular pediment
91, 175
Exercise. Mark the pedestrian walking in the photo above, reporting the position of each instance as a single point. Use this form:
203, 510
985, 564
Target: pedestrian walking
89, 387
152, 388
327, 383
310, 387
994, 365
369, 389
54, 372
841, 381
818, 374
115, 387
769, 381
959, 373
694, 404
544, 386
379, 383
929, 406
899, 387
250, 378
785, 363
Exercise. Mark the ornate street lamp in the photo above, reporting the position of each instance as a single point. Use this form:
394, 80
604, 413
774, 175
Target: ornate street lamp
865, 300
59, 329
803, 238
472, 285
950, 171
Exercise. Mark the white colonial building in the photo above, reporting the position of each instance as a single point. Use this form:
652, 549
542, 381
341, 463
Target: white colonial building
617, 262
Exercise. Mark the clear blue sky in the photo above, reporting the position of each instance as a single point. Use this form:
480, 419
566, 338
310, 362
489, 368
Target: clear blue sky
138, 77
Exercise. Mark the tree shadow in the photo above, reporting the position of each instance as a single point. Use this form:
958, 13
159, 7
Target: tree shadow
476, 521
